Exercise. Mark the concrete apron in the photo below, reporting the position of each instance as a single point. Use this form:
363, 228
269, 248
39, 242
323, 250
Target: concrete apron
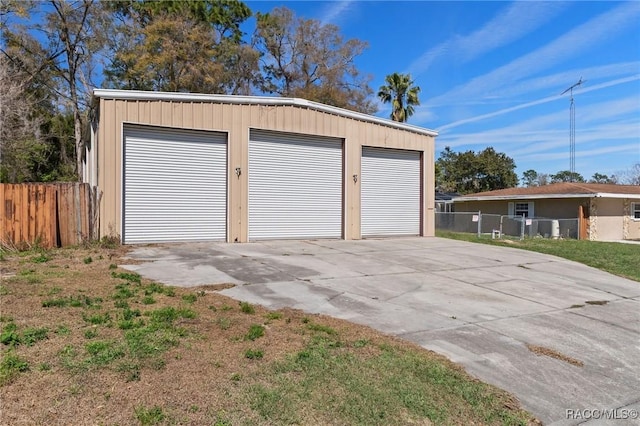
481, 306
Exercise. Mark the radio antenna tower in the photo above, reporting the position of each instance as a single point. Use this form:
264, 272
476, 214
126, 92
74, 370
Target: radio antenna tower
572, 129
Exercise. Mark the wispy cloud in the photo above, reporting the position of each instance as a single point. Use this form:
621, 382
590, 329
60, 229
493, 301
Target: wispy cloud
566, 47
517, 20
534, 103
490, 109
604, 121
556, 83
336, 11
599, 77
627, 148
547, 151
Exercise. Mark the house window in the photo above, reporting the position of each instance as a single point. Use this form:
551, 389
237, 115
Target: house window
635, 211
519, 209
522, 209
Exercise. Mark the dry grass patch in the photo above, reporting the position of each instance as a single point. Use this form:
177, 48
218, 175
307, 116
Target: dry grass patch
213, 287
84, 342
541, 350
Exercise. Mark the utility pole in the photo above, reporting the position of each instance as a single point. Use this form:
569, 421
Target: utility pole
572, 129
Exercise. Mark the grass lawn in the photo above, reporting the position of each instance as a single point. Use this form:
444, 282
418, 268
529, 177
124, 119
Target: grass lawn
617, 258
84, 342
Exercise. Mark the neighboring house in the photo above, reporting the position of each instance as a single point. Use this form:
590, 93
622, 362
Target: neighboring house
444, 201
606, 211
182, 166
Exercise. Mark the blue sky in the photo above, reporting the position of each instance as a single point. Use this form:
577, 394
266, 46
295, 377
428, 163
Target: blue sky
491, 73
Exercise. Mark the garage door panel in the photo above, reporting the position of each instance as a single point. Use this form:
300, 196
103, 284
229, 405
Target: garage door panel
390, 192
174, 185
295, 186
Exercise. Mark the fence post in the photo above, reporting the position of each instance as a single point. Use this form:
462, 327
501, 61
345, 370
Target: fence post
522, 228
479, 223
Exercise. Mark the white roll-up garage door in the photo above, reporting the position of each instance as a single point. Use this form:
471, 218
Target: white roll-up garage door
175, 185
295, 186
390, 192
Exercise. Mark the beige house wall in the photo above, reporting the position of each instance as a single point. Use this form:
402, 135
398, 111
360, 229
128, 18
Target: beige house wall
559, 208
610, 219
237, 120
631, 226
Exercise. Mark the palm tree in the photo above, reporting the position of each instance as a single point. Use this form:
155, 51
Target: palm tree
402, 94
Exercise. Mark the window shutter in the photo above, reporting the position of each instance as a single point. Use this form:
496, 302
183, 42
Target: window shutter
531, 212
512, 209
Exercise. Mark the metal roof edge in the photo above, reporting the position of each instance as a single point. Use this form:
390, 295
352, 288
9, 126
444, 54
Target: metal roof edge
259, 100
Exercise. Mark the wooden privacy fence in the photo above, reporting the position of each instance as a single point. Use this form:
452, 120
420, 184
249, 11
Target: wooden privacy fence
48, 214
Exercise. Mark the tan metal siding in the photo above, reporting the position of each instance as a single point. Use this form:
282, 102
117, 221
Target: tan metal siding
242, 120
352, 189
428, 192
236, 119
107, 172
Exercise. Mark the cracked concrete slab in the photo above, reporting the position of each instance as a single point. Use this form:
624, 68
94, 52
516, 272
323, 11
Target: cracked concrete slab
545, 385
183, 274
380, 287
544, 292
479, 305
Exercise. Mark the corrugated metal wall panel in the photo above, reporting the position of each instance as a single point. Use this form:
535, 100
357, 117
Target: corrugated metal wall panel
175, 185
390, 191
220, 117
295, 186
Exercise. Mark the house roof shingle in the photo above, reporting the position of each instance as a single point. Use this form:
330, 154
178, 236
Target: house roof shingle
557, 190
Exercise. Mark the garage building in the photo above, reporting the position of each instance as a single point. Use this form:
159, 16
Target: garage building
196, 167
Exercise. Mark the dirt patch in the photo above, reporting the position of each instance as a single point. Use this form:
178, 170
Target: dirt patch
213, 287
541, 350
75, 315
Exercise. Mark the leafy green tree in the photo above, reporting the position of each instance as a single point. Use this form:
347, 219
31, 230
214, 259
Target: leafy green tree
530, 178
470, 172
567, 176
70, 36
23, 149
601, 178
192, 46
174, 54
224, 16
36, 140
307, 59
533, 178
402, 94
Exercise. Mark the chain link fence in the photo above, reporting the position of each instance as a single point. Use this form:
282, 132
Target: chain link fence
503, 225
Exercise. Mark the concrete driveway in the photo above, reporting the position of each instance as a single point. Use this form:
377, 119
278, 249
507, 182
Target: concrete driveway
479, 305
